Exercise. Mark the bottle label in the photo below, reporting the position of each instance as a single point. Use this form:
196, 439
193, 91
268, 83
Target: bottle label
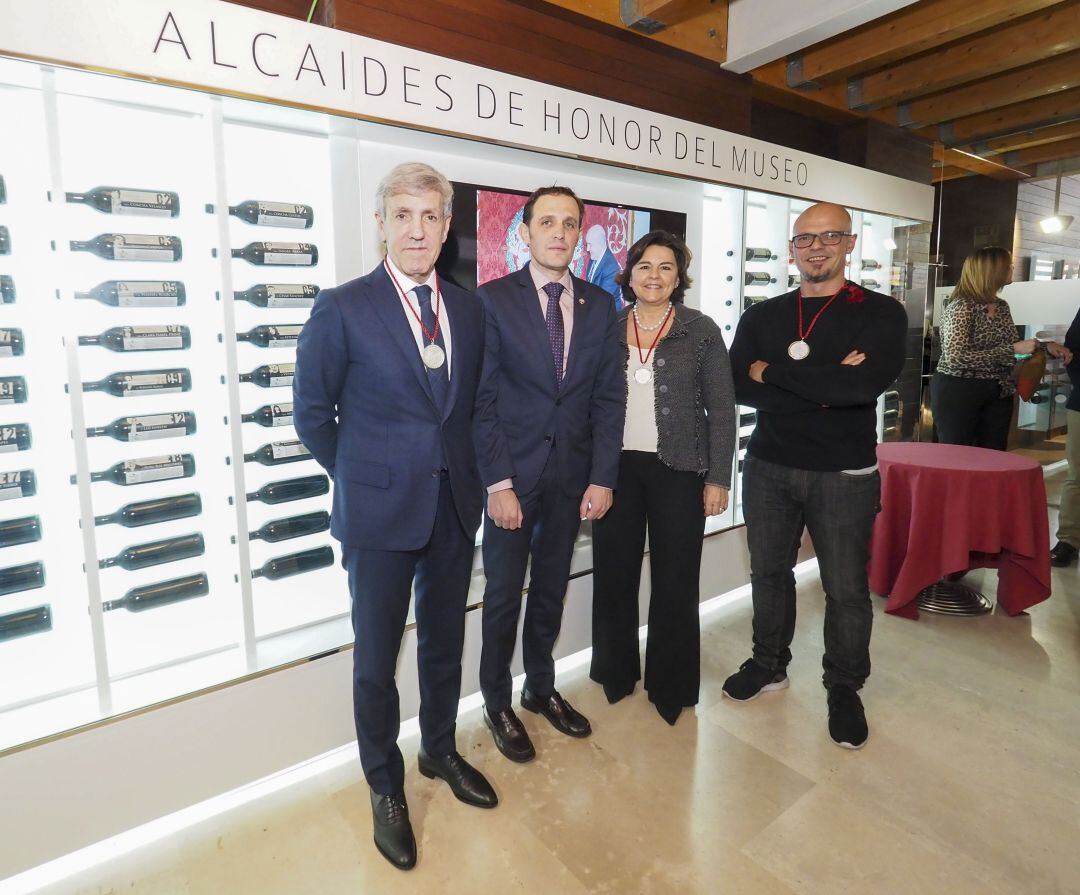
5, 350
283, 336
280, 449
281, 414
281, 374
141, 202
7, 392
280, 214
153, 469
162, 383
294, 253
289, 297
160, 425
11, 485
146, 338
9, 439
146, 294
144, 248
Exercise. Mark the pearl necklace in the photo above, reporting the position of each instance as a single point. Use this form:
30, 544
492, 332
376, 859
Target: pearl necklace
655, 326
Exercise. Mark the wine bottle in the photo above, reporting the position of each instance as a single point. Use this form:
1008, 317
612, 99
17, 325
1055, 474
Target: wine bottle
758, 279
143, 428
25, 530
750, 300
295, 563
26, 576
151, 596
12, 390
279, 295
270, 415
269, 375
131, 247
272, 214
12, 343
870, 264
138, 293
278, 254
744, 440
7, 290
268, 336
870, 284
141, 338
22, 622
5, 241
3, 190
147, 469
292, 489
277, 452
156, 553
748, 418
292, 527
15, 437
14, 485
150, 512
752, 254
139, 382
116, 200
793, 280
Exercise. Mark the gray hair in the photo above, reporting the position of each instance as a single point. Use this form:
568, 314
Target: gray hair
413, 178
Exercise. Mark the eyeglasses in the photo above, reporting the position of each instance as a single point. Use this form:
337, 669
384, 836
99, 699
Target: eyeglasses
828, 238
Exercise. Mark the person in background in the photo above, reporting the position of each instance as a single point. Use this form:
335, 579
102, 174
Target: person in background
813, 362
603, 269
1068, 534
971, 393
387, 368
674, 471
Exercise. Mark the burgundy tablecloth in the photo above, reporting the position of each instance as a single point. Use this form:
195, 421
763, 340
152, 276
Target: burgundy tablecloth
947, 508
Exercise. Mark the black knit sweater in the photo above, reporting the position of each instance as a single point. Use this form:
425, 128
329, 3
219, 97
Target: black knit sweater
817, 413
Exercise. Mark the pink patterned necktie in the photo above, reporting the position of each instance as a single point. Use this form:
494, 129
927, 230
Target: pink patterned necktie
556, 332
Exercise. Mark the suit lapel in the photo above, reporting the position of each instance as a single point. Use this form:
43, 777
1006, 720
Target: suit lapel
580, 312
387, 305
460, 336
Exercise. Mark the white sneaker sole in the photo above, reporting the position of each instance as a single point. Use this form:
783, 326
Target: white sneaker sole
768, 688
851, 746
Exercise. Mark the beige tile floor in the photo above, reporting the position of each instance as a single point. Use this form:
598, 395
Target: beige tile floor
970, 784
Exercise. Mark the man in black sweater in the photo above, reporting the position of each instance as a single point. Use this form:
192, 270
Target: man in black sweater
1068, 533
813, 363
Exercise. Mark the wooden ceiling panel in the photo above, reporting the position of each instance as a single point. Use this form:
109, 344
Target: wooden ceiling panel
1046, 110
1037, 154
1026, 139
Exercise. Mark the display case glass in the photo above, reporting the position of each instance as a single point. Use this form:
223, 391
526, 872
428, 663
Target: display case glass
164, 531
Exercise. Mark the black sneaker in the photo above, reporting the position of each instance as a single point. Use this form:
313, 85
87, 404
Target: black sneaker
847, 720
751, 680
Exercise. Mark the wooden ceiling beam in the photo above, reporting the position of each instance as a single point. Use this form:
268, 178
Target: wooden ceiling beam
1051, 33
1060, 73
1046, 110
1026, 139
950, 173
915, 29
1038, 154
994, 168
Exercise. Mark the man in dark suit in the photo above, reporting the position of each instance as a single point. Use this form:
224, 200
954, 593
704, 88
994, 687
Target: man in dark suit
549, 423
386, 375
603, 269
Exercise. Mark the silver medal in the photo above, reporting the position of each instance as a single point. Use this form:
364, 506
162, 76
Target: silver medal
643, 375
798, 350
433, 356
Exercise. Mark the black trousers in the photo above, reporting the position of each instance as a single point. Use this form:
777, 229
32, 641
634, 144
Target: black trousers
381, 583
970, 411
547, 534
652, 496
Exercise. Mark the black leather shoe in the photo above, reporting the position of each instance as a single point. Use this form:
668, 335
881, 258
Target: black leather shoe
393, 833
467, 783
563, 716
511, 738
1063, 554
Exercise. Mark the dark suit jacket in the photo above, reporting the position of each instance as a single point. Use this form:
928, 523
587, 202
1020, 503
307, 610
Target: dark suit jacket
519, 412
603, 274
363, 406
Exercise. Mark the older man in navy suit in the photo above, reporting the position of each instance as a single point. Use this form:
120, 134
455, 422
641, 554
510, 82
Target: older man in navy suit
549, 422
603, 269
386, 375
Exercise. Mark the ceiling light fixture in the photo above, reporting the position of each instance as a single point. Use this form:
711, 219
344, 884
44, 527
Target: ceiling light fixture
1057, 221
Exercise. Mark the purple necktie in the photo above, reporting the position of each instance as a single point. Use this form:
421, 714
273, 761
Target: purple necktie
556, 333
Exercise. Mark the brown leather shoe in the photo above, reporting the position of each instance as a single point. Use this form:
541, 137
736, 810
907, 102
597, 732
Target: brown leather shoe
563, 716
511, 737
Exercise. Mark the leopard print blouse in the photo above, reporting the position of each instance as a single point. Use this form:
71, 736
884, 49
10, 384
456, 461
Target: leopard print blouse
975, 345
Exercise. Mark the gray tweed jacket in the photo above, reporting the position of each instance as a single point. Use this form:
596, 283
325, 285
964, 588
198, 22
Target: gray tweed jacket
695, 396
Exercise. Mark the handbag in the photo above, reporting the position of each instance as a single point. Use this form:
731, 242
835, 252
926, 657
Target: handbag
1028, 373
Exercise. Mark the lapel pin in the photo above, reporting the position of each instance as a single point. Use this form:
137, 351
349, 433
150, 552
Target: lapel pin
581, 301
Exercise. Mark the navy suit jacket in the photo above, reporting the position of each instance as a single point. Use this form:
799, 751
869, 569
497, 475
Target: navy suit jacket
519, 411
603, 274
363, 406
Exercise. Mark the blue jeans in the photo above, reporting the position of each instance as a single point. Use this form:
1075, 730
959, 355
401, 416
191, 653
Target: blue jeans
838, 510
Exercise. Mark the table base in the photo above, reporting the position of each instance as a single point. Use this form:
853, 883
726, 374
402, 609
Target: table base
953, 598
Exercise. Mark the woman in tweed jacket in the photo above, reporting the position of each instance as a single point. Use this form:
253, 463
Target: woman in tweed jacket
674, 471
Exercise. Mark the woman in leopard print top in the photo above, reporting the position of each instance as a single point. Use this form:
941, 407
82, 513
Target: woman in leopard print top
972, 391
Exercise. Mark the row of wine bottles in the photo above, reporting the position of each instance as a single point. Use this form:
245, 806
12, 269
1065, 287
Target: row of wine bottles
760, 254
165, 203
173, 294
169, 249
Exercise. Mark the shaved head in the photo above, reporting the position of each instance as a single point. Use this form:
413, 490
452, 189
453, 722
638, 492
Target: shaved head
822, 216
